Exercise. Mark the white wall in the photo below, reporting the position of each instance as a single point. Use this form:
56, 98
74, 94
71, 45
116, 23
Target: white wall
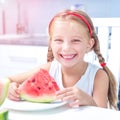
16, 59
34, 15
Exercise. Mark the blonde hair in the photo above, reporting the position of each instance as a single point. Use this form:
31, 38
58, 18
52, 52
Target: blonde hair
86, 21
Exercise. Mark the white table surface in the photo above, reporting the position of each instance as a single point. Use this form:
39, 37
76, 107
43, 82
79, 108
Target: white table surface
64, 112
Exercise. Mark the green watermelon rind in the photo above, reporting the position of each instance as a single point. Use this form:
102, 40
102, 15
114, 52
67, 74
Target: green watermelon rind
4, 114
41, 99
3, 93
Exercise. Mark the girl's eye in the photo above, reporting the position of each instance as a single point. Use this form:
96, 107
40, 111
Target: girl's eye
58, 40
76, 40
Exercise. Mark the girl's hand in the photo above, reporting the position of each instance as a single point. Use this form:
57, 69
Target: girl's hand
13, 92
75, 97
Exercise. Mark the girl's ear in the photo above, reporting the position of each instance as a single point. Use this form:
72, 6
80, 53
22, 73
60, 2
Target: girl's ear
90, 44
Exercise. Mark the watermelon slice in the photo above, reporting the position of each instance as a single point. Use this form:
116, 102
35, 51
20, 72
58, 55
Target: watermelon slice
4, 85
39, 88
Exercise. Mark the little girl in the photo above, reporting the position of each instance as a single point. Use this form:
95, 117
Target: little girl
71, 36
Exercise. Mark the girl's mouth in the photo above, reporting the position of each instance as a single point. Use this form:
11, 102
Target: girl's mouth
68, 57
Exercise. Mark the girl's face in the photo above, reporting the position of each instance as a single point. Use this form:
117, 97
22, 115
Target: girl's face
69, 42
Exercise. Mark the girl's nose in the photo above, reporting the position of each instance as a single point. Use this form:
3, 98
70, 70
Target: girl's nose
66, 46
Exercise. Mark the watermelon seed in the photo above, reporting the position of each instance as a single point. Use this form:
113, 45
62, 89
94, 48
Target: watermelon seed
38, 88
50, 88
33, 80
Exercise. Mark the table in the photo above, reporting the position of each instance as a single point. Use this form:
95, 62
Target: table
64, 112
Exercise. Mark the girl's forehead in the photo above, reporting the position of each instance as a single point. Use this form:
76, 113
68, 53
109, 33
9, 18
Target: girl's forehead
66, 23
68, 27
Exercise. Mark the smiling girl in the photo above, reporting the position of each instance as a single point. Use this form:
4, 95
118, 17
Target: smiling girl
71, 37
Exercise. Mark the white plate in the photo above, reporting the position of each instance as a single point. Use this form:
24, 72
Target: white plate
29, 106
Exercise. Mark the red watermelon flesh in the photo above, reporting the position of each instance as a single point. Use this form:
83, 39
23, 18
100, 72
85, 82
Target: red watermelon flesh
39, 88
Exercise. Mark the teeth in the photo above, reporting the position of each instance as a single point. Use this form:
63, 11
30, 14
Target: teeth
67, 56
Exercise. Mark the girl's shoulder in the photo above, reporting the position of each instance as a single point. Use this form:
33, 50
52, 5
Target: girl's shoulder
46, 66
50, 65
100, 76
96, 71
93, 68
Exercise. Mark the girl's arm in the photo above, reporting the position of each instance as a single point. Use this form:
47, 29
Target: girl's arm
101, 85
80, 98
19, 78
16, 80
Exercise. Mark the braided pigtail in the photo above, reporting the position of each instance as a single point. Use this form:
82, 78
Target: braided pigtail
112, 98
50, 56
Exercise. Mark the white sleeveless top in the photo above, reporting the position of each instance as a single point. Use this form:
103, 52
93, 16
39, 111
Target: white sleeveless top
85, 83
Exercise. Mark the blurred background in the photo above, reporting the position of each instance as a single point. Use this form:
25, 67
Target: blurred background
23, 31
32, 16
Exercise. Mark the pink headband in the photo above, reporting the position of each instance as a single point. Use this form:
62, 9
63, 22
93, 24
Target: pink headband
83, 19
79, 16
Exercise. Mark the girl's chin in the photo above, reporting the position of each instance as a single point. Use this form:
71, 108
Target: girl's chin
67, 63
68, 66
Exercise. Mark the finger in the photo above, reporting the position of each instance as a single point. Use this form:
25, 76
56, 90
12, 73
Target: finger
63, 91
75, 103
65, 96
14, 92
68, 98
11, 97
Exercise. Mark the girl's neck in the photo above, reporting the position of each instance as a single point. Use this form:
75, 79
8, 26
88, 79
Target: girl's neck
70, 76
78, 69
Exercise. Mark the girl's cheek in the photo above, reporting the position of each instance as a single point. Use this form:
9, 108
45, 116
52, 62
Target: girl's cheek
54, 46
